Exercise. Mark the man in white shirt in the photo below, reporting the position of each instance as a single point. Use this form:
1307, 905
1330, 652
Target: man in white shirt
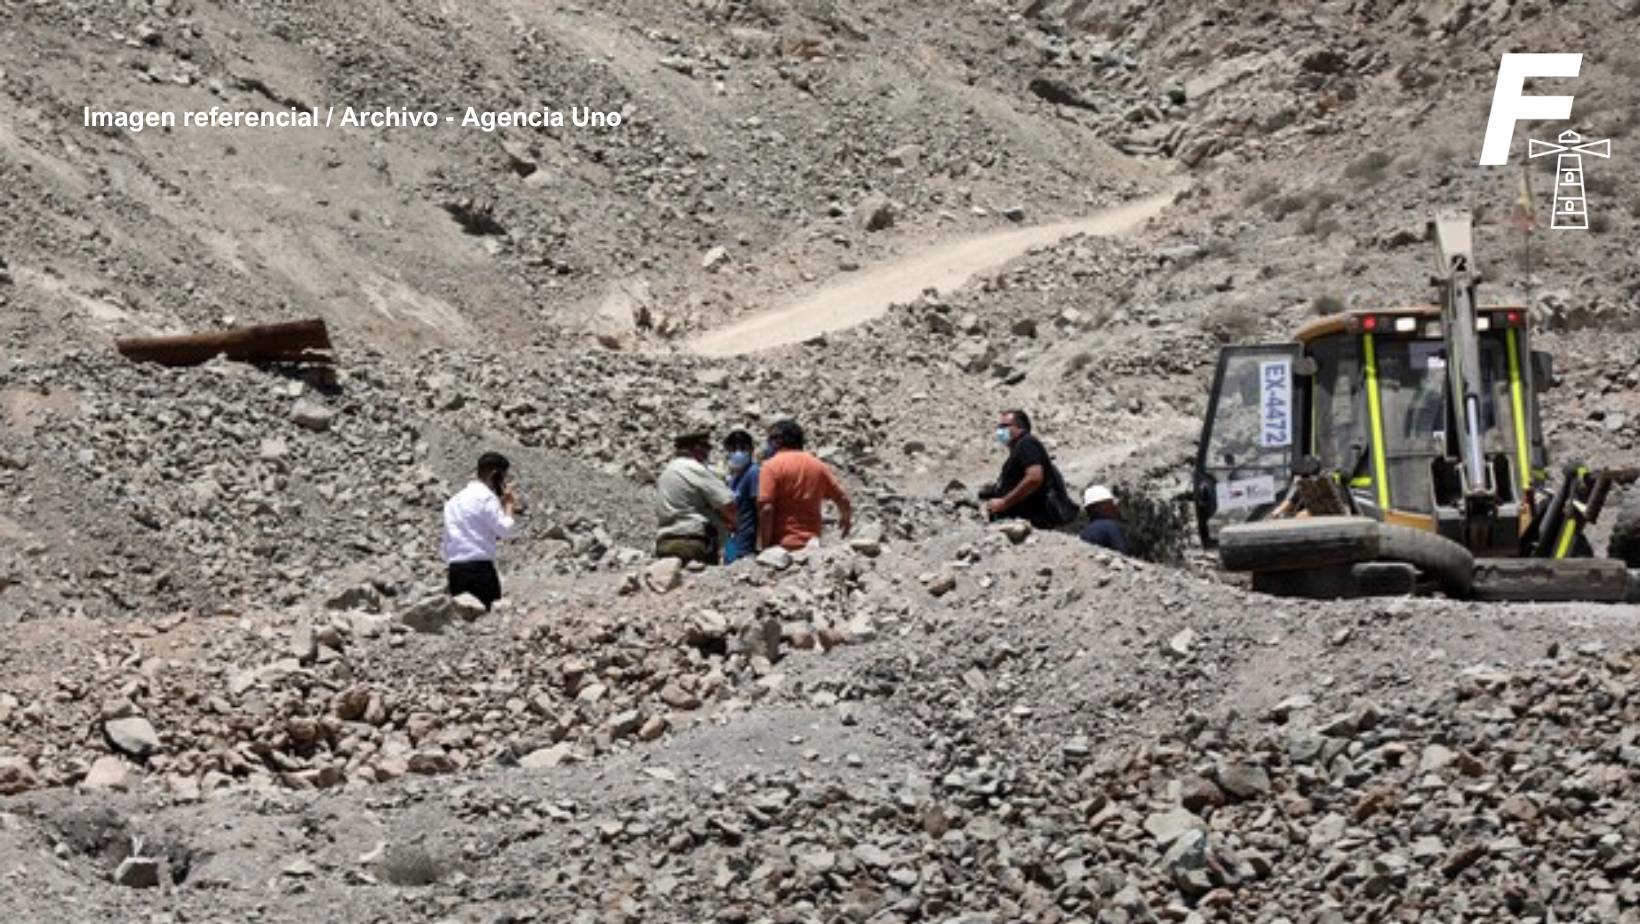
479, 516
693, 506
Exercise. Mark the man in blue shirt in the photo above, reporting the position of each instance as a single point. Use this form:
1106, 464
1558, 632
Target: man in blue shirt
1104, 526
742, 480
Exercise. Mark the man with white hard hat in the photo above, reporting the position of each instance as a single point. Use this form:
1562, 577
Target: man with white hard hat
1104, 527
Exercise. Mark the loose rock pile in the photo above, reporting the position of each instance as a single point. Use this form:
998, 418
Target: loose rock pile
322, 699
1502, 794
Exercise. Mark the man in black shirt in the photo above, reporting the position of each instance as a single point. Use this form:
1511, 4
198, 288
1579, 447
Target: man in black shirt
1022, 489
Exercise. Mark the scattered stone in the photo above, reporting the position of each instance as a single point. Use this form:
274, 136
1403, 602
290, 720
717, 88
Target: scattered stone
940, 584
132, 736
664, 575
1304, 745
652, 728
15, 776
546, 758
351, 704
519, 157
1016, 530
1435, 758
1461, 858
905, 156
313, 416
139, 872
1244, 781
431, 762
304, 645
430, 615
873, 857
1058, 91
362, 597
1327, 831
1200, 795
1282, 710
467, 606
775, 557
875, 213
678, 698
707, 626
107, 773
1519, 807
625, 723
1168, 826
761, 639
868, 545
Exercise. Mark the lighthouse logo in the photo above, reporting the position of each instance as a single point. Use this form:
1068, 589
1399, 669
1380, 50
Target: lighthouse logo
1511, 105
1571, 203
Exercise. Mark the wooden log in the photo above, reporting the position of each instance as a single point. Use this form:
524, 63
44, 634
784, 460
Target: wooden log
294, 342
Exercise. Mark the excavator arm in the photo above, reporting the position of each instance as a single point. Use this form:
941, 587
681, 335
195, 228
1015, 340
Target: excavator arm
1456, 277
1582, 493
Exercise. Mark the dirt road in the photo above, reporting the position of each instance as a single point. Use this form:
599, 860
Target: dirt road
944, 266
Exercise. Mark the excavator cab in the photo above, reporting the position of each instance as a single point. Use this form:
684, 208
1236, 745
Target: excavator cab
1254, 435
1421, 418
1362, 398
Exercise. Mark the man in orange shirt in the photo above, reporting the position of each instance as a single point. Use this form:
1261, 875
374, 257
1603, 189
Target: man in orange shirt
790, 487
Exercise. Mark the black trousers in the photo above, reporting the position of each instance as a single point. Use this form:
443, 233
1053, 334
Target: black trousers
478, 578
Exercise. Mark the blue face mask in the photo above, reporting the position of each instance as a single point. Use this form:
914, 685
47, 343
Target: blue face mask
739, 460
1003, 436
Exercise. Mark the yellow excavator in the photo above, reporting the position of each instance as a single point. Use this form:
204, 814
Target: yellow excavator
1400, 451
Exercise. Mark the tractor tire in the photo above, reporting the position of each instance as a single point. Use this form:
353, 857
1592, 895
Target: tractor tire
1449, 563
1322, 542
1385, 579
1625, 541
1334, 582
1290, 545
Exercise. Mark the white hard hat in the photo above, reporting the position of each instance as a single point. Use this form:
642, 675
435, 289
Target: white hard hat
1096, 494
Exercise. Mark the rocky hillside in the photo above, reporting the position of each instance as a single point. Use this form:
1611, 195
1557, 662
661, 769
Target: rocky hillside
749, 136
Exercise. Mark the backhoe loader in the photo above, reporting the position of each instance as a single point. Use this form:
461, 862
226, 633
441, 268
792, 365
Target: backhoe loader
1399, 451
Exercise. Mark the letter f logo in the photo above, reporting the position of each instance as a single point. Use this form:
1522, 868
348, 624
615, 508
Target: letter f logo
1509, 106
